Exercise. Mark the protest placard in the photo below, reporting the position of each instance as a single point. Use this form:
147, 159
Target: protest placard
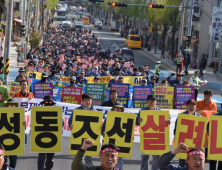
182, 95
164, 97
140, 94
14, 88
42, 89
98, 93
72, 95
34, 75
123, 92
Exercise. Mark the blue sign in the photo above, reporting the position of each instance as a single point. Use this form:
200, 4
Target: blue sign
123, 92
140, 94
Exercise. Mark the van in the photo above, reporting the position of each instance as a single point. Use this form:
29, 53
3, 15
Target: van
85, 20
66, 25
78, 24
133, 41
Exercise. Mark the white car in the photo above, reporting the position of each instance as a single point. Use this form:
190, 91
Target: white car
97, 23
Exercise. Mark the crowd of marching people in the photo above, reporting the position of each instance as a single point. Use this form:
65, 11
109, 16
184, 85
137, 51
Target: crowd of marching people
77, 53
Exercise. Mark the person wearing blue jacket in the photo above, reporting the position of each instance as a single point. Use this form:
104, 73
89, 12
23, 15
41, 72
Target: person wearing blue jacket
86, 105
195, 158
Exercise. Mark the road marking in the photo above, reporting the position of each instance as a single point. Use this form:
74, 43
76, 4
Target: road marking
154, 60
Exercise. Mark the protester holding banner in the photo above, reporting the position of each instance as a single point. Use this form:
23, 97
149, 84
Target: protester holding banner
191, 106
117, 107
81, 79
96, 80
3, 165
151, 102
21, 71
115, 79
108, 157
3, 93
53, 76
44, 77
113, 99
164, 83
177, 82
72, 82
48, 164
24, 90
144, 82
86, 105
215, 165
195, 158
195, 81
153, 84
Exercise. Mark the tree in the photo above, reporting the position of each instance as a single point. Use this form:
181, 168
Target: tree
34, 40
51, 4
2, 6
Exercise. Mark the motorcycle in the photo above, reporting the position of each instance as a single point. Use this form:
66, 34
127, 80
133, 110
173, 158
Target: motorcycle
100, 28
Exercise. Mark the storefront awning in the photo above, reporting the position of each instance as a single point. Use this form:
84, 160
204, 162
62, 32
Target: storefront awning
18, 20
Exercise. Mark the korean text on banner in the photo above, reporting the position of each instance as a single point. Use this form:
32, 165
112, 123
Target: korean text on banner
119, 131
98, 93
164, 97
154, 132
123, 92
86, 125
12, 130
46, 129
34, 75
42, 89
190, 130
215, 138
140, 94
72, 95
182, 95
14, 88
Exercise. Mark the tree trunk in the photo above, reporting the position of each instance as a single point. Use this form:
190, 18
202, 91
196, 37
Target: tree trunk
163, 40
172, 42
156, 34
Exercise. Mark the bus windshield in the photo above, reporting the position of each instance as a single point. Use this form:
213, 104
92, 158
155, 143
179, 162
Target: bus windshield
61, 13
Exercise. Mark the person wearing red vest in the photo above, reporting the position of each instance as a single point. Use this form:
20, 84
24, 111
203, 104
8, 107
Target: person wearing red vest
24, 90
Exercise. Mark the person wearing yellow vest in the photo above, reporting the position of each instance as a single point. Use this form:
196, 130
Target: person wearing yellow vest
157, 70
179, 61
195, 81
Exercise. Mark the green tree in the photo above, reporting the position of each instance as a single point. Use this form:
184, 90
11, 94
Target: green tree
34, 40
50, 4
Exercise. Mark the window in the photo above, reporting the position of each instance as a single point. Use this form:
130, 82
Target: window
135, 38
216, 51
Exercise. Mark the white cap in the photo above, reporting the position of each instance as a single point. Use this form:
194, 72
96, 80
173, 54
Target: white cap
158, 62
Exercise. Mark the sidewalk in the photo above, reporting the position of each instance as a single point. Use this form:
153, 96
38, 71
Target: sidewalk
168, 64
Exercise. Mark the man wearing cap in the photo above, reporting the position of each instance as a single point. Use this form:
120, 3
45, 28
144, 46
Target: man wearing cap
86, 105
3, 93
144, 82
115, 79
81, 79
195, 81
151, 102
145, 76
135, 72
117, 107
96, 80
45, 160
153, 82
157, 70
108, 157
21, 71
94, 72
195, 158
191, 107
113, 95
72, 82
44, 78
53, 76
177, 82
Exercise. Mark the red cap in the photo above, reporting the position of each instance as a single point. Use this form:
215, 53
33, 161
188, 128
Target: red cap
179, 74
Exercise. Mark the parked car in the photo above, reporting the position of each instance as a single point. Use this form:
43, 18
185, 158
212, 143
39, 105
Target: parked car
97, 23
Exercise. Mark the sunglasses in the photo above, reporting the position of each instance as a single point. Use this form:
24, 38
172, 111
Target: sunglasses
48, 102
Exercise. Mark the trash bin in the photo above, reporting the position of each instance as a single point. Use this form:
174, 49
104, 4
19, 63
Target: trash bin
148, 46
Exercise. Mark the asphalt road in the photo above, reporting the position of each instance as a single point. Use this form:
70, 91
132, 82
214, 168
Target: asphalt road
63, 160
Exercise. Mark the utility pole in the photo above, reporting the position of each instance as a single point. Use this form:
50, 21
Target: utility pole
41, 18
27, 28
36, 15
23, 37
181, 27
8, 32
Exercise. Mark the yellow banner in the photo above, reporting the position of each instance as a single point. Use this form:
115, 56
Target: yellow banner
190, 130
12, 130
46, 129
119, 130
86, 125
164, 97
215, 138
154, 132
14, 88
34, 75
